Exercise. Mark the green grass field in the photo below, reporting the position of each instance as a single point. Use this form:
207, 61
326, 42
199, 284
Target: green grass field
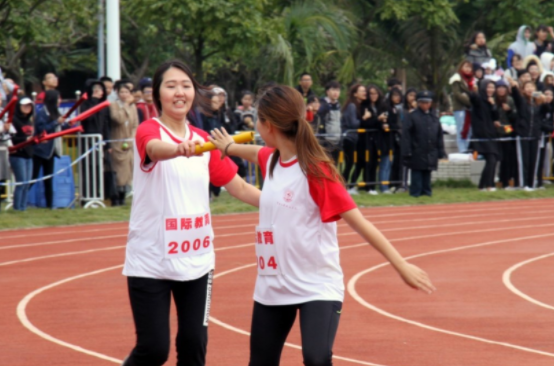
443, 192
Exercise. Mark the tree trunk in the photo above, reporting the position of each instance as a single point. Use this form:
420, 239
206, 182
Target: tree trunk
199, 60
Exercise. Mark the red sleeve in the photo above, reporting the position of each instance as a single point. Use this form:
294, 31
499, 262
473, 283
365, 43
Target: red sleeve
263, 159
146, 131
331, 198
221, 171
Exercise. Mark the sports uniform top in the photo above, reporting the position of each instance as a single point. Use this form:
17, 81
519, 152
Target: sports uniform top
164, 192
301, 212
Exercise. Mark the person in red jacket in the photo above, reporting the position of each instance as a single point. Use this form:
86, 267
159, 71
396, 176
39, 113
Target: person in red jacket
146, 104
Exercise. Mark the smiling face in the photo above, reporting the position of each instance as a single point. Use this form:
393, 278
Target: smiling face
361, 93
373, 95
490, 89
26, 108
176, 93
480, 40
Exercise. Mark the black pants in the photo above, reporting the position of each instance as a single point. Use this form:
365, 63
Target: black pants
319, 321
529, 159
367, 160
349, 149
150, 302
542, 159
420, 183
396, 173
47, 166
487, 175
508, 165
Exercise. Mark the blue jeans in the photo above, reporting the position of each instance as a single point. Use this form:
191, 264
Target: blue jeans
420, 183
463, 145
384, 171
23, 170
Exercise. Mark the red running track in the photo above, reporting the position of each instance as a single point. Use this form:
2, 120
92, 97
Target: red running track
64, 300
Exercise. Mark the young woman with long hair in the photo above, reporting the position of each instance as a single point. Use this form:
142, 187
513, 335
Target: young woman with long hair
462, 83
297, 247
170, 249
507, 116
352, 116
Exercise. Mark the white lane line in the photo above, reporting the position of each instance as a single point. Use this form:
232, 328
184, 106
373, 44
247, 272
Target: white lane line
351, 287
506, 278
59, 255
338, 226
371, 216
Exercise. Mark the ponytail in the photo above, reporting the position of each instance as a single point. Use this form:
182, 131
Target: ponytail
284, 108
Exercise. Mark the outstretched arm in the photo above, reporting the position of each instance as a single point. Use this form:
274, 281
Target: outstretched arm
223, 141
243, 191
411, 274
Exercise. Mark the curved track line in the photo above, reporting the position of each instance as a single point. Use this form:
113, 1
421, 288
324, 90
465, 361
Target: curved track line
506, 279
351, 287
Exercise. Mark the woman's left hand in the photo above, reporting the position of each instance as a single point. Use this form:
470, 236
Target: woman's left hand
220, 138
416, 278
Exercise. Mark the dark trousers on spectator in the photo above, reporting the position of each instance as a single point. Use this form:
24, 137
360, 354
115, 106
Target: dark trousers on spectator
420, 184
47, 166
367, 160
150, 302
487, 175
508, 165
349, 150
397, 167
542, 159
529, 150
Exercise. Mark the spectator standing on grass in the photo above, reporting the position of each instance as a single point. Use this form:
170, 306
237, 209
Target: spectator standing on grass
507, 116
330, 125
305, 86
547, 127
386, 136
48, 120
21, 161
462, 83
146, 104
395, 100
422, 144
484, 123
352, 115
522, 46
124, 123
476, 49
528, 103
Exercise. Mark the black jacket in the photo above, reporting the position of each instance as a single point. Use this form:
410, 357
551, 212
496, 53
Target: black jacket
422, 141
386, 139
483, 116
529, 121
98, 123
308, 95
547, 118
24, 129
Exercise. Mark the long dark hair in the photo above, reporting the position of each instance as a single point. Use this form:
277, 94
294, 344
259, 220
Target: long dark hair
471, 41
380, 103
393, 91
284, 108
352, 99
406, 105
51, 98
201, 98
19, 115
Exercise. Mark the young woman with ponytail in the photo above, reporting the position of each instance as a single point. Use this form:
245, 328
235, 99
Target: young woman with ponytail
297, 248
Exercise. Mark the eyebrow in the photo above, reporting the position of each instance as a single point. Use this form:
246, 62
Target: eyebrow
177, 81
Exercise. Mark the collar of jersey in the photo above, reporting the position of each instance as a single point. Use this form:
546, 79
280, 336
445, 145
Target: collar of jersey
177, 139
289, 163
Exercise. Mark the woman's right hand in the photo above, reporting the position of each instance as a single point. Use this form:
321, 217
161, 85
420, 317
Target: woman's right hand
220, 138
367, 115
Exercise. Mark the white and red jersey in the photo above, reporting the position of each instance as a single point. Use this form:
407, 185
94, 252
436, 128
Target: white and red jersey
298, 214
170, 205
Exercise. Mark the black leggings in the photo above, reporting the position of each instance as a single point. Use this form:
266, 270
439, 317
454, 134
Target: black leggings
487, 175
150, 301
319, 321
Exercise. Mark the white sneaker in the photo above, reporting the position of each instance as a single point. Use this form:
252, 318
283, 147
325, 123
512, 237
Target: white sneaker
387, 192
527, 189
541, 188
373, 193
510, 188
353, 191
492, 189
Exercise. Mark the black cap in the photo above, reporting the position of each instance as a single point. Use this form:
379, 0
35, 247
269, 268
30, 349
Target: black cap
424, 96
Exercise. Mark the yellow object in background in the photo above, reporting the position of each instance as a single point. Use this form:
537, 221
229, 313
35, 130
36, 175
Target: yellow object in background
508, 129
241, 138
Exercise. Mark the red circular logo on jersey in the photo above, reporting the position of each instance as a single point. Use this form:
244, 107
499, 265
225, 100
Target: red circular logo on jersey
288, 196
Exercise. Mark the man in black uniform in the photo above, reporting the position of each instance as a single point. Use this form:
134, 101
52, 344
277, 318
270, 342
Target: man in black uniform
422, 144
